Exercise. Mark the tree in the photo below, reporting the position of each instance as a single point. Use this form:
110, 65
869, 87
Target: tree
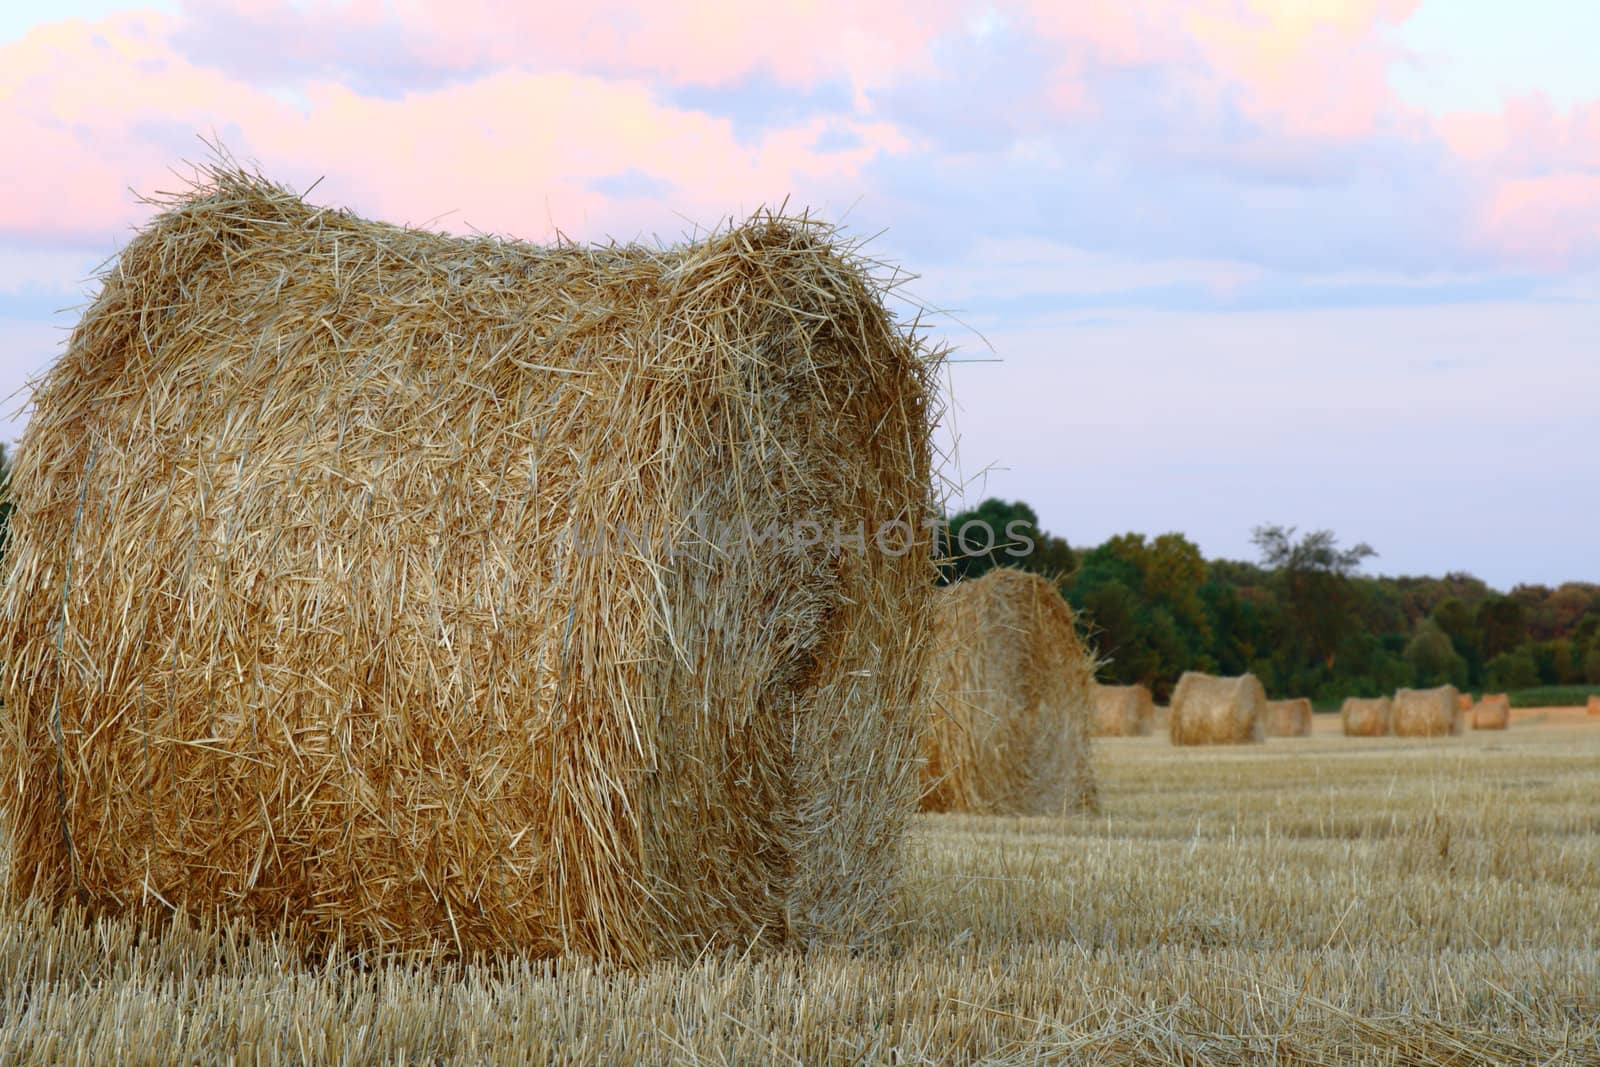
1314, 573
1513, 670
1460, 623
1434, 659
1502, 625
1000, 534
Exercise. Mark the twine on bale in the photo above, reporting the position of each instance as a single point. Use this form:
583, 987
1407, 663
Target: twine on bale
436, 590
1010, 713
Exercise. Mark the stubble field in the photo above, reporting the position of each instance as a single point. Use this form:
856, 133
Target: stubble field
1325, 900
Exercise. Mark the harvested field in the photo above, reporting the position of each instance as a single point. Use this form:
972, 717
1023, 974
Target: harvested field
1381, 900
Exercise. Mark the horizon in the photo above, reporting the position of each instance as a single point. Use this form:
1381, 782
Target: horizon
1206, 266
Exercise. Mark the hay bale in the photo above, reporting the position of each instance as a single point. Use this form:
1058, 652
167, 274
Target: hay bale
1366, 718
1216, 711
1464, 702
1426, 712
1594, 704
421, 589
1288, 718
1012, 710
1122, 711
1493, 712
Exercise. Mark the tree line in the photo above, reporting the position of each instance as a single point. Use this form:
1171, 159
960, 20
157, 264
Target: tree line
1301, 617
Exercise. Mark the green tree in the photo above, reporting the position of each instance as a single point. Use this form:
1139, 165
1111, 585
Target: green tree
1460, 622
1314, 576
1502, 625
1000, 534
1513, 670
1434, 659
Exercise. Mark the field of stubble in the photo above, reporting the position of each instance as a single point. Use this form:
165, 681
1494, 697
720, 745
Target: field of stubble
1326, 900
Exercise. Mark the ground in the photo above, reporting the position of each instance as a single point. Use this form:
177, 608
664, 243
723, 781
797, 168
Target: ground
1300, 901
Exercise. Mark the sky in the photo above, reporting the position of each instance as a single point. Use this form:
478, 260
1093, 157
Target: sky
1206, 264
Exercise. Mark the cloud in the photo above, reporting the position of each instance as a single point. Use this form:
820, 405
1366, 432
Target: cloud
389, 49
107, 106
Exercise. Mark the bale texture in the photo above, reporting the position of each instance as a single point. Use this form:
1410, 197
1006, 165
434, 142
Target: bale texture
1493, 712
1123, 711
1360, 717
1217, 711
1288, 718
369, 577
1427, 713
1012, 710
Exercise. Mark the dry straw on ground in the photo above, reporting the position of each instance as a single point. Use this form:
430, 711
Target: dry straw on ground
1122, 711
1217, 711
1426, 713
368, 577
1366, 718
1288, 718
1493, 712
1009, 723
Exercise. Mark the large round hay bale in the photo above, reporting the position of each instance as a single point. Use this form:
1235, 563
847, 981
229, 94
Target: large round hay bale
1122, 711
1288, 718
437, 591
1010, 718
1493, 712
1217, 711
1361, 717
1426, 712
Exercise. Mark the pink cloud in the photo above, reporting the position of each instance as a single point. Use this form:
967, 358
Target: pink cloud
1548, 221
103, 107
1313, 68
695, 42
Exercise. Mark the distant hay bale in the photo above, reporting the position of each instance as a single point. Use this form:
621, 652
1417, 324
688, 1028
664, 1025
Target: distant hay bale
436, 591
1594, 704
1288, 718
1011, 713
1366, 718
1426, 712
1217, 711
1122, 711
1464, 702
1493, 712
